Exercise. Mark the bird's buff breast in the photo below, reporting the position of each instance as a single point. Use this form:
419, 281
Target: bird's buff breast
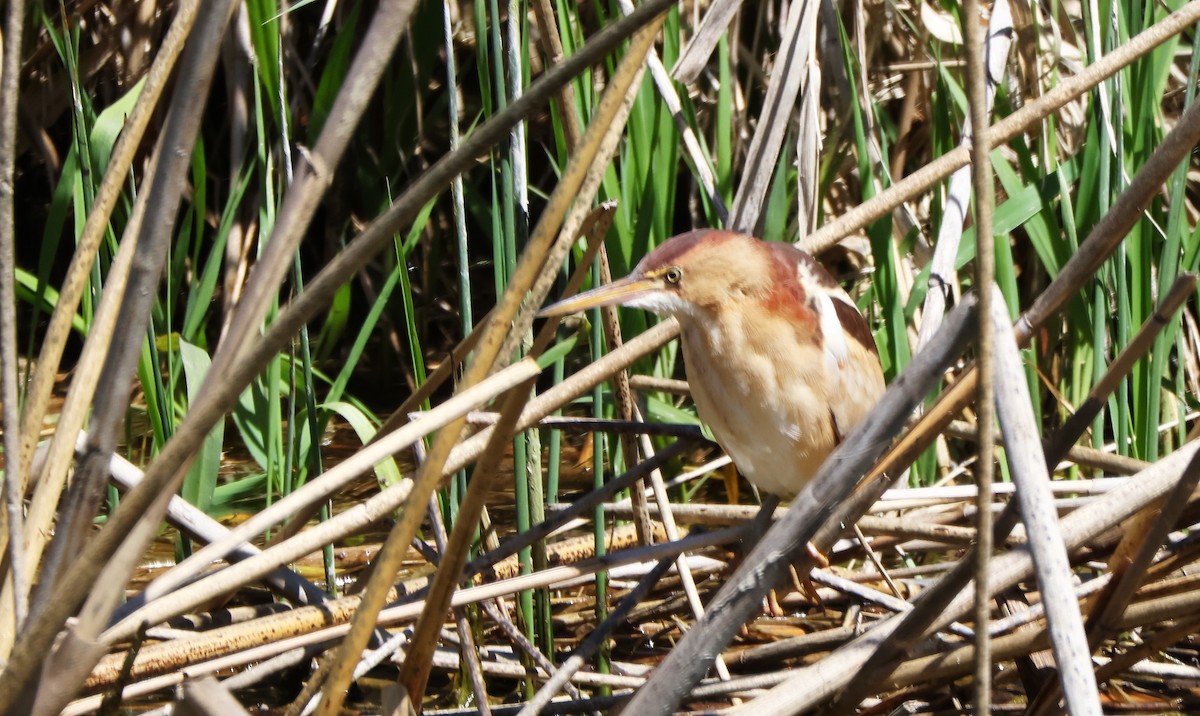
764, 408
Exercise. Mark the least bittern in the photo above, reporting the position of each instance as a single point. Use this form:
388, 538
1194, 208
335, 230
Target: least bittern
780, 362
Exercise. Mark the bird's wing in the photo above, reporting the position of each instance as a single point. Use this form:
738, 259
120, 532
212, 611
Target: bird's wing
856, 380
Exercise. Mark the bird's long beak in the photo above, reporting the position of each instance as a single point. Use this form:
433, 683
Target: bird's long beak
617, 292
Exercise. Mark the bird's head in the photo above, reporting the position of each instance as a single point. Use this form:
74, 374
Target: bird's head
690, 275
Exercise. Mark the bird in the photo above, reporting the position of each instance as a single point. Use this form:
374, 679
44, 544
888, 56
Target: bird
780, 362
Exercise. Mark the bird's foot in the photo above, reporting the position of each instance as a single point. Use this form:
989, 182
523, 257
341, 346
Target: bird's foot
806, 587
771, 606
818, 558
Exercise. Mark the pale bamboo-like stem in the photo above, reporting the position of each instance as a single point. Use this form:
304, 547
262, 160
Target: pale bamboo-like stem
943, 278
457, 199
1052, 566
808, 144
695, 56
890, 602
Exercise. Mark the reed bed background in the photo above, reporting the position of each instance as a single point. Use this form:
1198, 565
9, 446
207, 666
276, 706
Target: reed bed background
269, 275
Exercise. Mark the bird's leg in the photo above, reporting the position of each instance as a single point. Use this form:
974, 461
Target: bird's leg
729, 476
762, 521
758, 528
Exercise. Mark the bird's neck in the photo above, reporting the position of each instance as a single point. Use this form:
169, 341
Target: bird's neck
710, 333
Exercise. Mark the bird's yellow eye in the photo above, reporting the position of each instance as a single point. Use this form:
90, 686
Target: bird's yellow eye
673, 274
